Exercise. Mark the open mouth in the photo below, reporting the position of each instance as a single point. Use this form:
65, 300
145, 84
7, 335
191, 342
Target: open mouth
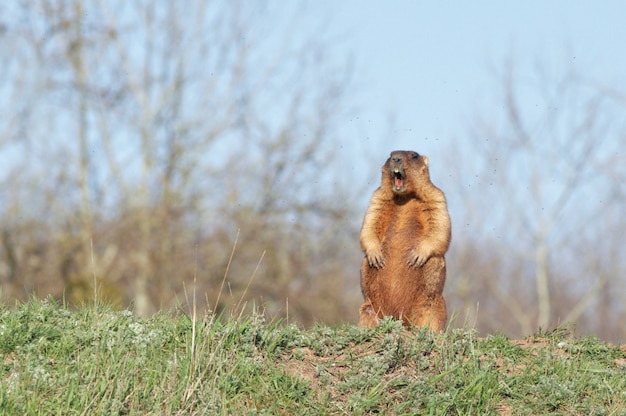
398, 179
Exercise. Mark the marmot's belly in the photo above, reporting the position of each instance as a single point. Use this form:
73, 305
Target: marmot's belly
397, 289
393, 290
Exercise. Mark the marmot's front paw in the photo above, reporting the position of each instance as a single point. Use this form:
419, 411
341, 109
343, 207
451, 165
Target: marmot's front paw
418, 257
375, 258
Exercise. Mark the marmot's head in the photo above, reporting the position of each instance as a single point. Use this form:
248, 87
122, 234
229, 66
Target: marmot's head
405, 171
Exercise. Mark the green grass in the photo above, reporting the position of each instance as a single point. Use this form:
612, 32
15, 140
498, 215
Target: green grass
95, 360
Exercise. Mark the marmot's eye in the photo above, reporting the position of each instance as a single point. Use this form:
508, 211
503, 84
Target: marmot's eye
415, 155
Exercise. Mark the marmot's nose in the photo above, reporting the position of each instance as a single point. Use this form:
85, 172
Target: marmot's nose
396, 159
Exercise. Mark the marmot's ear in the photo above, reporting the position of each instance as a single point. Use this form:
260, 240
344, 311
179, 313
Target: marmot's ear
425, 160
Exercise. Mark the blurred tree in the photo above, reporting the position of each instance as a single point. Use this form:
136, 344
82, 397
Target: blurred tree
147, 133
540, 210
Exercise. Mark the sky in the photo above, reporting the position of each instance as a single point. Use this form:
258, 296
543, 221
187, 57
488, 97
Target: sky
425, 70
432, 67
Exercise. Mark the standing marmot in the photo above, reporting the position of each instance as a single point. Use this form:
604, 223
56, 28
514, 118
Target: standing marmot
405, 234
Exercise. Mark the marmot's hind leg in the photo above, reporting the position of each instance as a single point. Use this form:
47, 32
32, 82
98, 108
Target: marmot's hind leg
431, 314
367, 315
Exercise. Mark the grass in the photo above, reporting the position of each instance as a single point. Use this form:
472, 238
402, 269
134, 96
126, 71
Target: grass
95, 360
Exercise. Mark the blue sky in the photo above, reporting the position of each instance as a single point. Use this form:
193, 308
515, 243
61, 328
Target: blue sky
433, 66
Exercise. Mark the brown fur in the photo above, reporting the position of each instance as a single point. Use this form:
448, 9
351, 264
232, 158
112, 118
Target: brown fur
405, 235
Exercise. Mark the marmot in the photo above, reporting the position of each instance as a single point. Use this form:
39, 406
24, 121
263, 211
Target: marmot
405, 235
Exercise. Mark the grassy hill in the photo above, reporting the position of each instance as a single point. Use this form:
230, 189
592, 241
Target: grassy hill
98, 361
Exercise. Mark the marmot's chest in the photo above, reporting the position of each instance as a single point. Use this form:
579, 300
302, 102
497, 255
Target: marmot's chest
404, 224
